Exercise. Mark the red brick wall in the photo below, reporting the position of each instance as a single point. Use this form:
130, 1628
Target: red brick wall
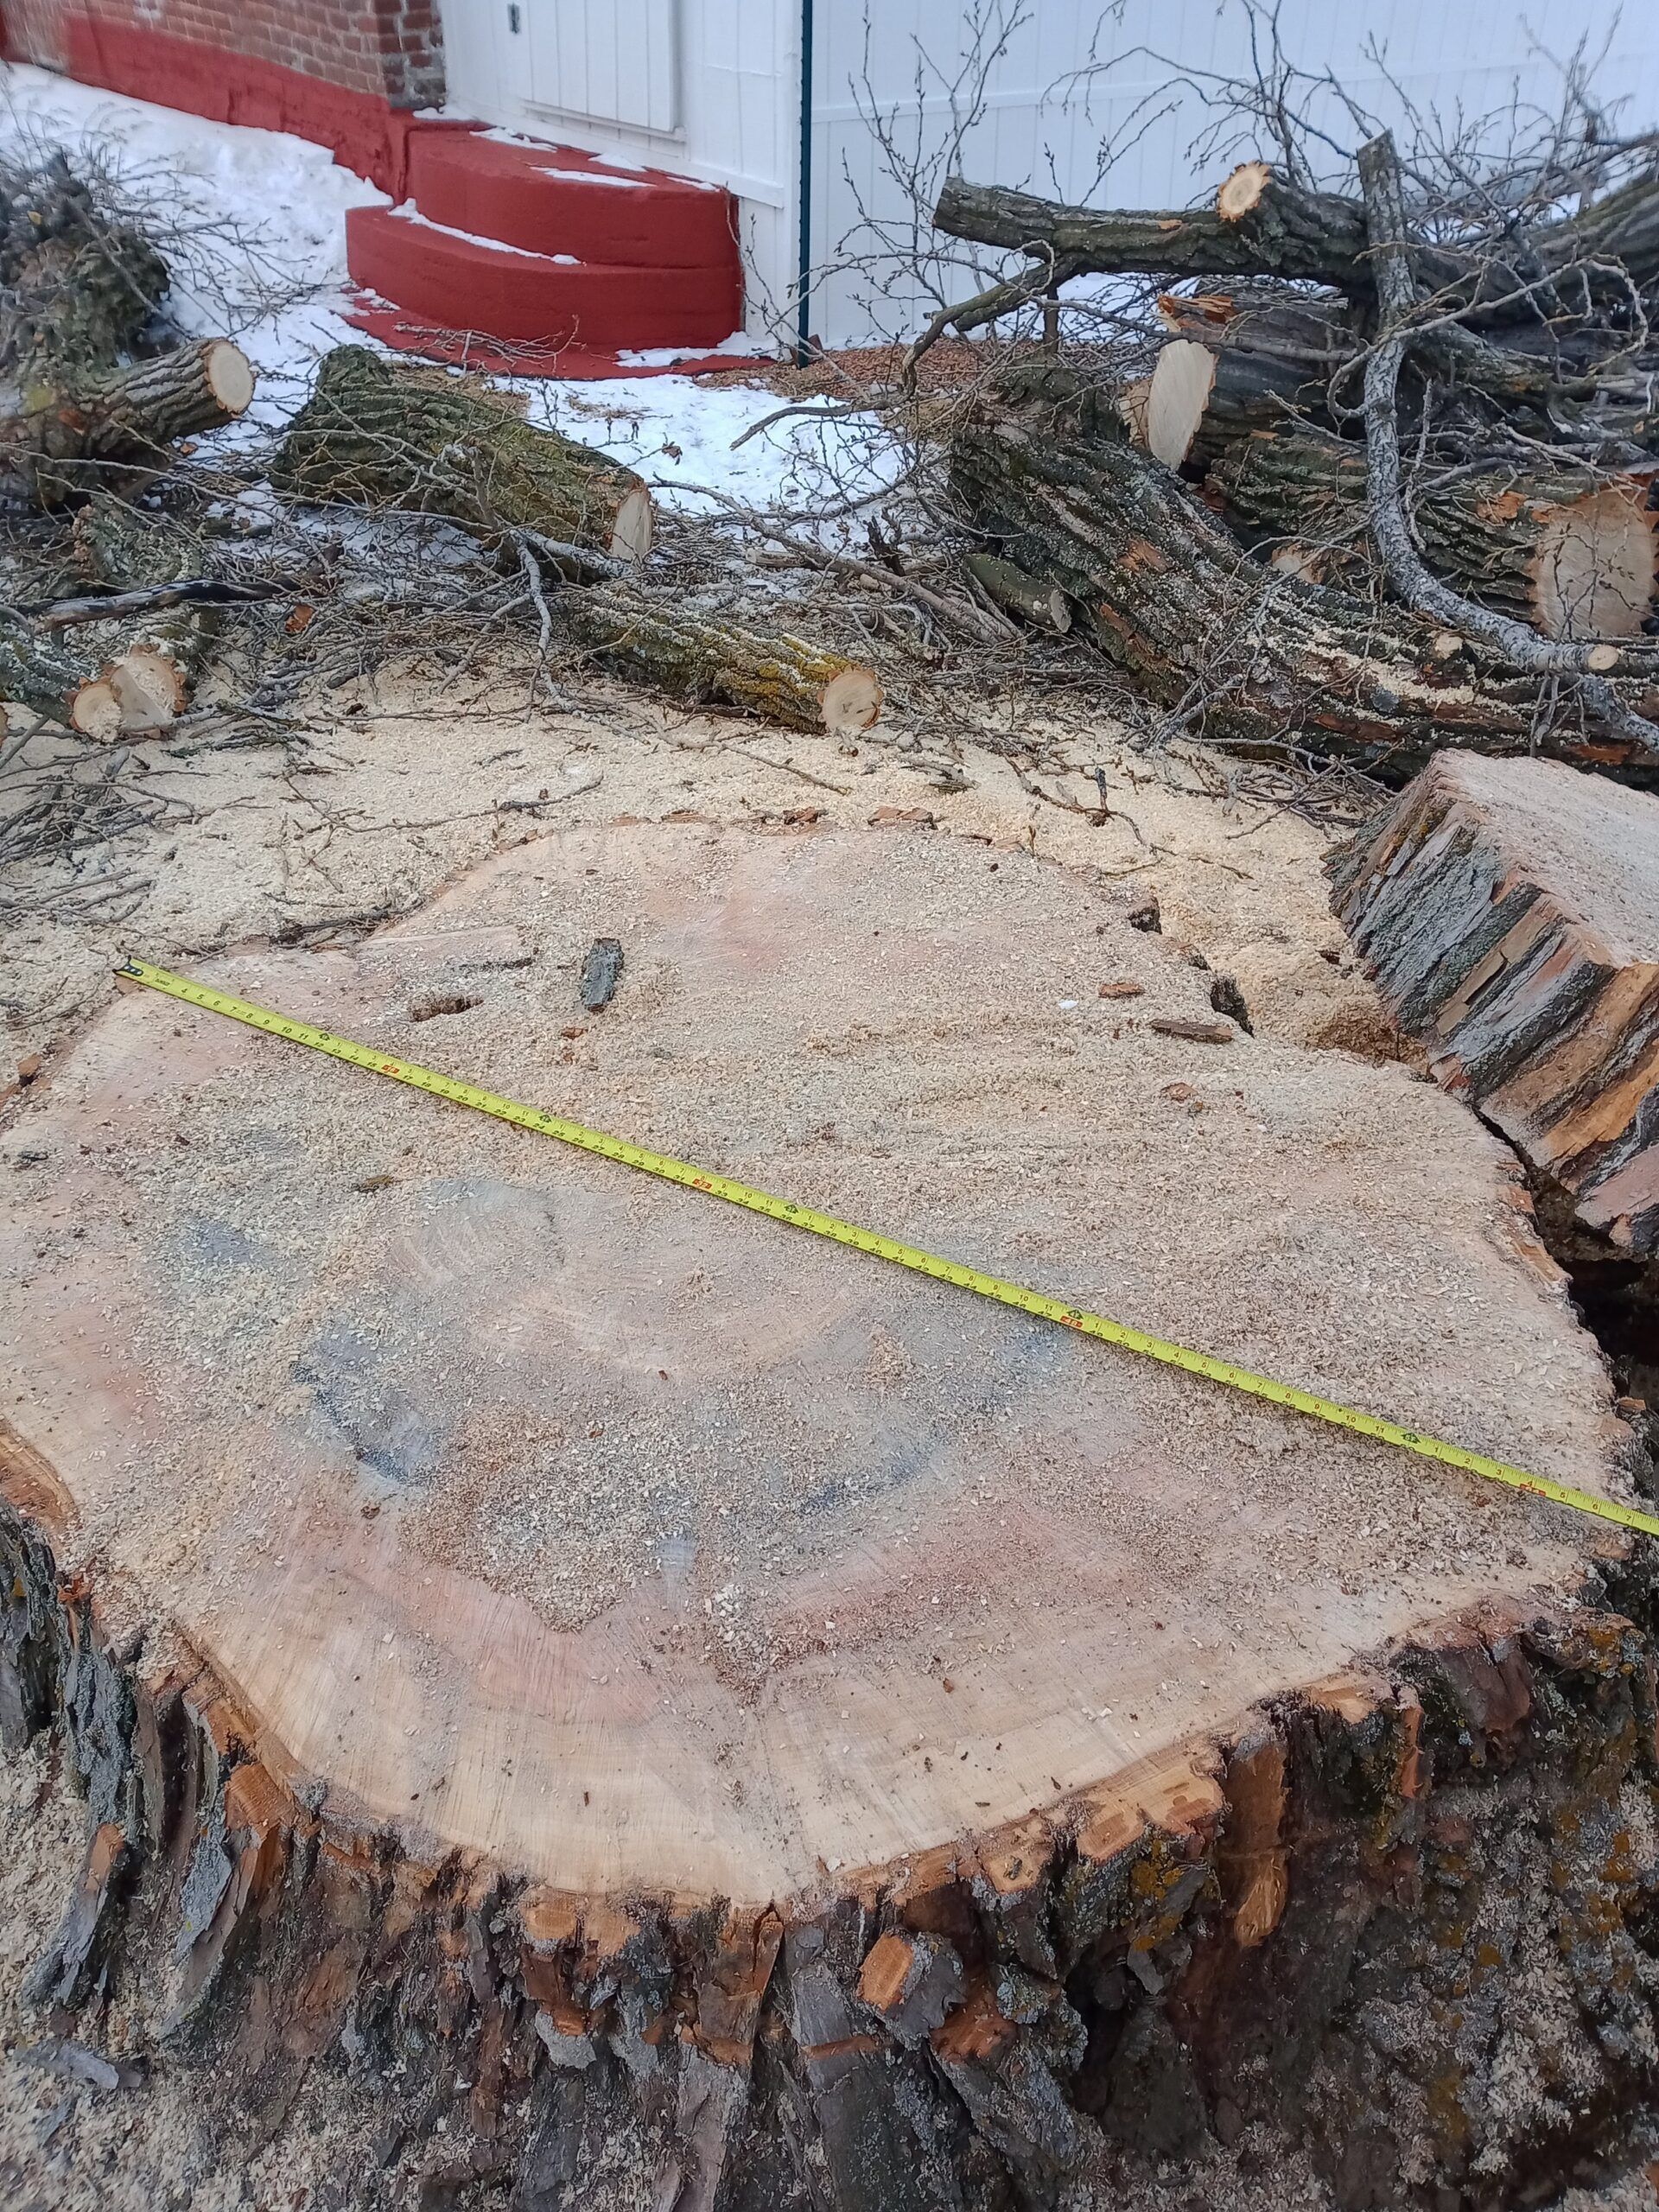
347, 74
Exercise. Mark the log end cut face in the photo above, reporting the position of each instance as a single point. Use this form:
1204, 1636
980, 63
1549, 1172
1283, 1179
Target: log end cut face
529, 1505
1510, 910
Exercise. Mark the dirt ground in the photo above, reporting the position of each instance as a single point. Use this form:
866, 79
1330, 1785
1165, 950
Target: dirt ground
392, 795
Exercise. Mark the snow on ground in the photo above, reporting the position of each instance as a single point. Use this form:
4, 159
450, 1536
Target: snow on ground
255, 224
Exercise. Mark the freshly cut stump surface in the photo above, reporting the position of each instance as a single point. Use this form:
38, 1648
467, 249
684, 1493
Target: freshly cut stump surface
1510, 910
646, 1546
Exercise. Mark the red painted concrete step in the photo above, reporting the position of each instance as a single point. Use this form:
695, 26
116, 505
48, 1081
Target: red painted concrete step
554, 199
464, 282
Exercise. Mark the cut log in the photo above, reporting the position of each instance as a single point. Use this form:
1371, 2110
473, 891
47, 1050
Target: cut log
1260, 224
1287, 232
120, 426
1163, 590
1315, 334
1566, 548
530, 1623
377, 436
1041, 604
705, 661
58, 682
150, 665
1510, 912
1203, 400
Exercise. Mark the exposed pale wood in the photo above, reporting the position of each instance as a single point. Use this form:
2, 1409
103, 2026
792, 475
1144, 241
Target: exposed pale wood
1510, 914
708, 661
310, 1422
1202, 401
1565, 547
1263, 225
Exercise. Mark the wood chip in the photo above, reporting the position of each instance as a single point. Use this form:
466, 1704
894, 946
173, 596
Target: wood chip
1199, 1033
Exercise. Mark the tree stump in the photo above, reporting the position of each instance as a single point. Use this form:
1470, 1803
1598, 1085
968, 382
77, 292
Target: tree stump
1510, 911
675, 1675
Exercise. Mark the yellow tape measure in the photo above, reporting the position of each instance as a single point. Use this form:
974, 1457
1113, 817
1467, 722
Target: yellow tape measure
880, 1247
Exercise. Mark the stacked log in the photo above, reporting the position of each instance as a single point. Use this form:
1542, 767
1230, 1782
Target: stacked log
428, 443
115, 427
1168, 592
1509, 913
1263, 222
1572, 550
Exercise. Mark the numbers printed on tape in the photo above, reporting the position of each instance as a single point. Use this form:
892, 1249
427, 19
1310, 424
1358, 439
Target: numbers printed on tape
1120, 1333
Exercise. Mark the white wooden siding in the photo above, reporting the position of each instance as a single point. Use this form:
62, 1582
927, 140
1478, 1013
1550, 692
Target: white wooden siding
606, 61
737, 122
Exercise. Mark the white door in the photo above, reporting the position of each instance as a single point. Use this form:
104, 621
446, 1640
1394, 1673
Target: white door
607, 60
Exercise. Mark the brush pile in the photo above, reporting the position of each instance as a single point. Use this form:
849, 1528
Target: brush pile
1390, 479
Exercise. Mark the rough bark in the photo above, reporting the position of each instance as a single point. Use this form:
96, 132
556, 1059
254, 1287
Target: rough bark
1042, 605
1511, 915
1262, 224
1355, 1921
1288, 233
149, 663
1313, 333
119, 426
375, 436
1165, 591
705, 661
1564, 547
78, 285
1583, 667
40, 672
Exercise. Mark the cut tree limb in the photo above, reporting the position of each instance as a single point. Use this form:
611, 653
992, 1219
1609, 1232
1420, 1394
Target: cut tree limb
1202, 400
1262, 224
375, 436
1379, 170
151, 663
1510, 912
706, 661
1042, 605
1568, 551
1169, 594
120, 425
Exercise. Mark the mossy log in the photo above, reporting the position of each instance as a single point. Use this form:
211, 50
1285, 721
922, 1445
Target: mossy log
117, 427
1570, 549
1163, 590
707, 661
377, 435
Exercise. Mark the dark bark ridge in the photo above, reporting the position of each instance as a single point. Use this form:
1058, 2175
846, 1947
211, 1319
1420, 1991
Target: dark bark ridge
1165, 590
1349, 1923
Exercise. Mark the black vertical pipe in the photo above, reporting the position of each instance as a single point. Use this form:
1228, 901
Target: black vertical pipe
803, 264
